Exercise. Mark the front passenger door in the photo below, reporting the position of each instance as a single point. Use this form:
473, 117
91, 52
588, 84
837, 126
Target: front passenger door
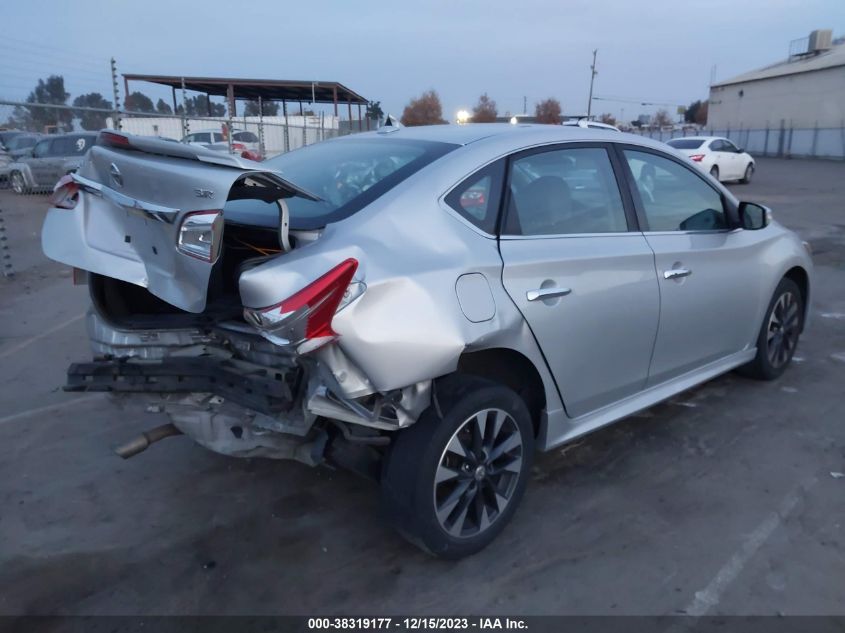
706, 268
584, 282
37, 164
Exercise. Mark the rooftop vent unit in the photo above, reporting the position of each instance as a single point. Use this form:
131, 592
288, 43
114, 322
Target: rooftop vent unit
820, 40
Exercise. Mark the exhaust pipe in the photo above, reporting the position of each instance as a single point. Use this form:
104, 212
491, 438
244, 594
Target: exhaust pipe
143, 441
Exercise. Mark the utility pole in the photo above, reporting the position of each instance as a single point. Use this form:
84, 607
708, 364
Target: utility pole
524, 105
117, 124
592, 78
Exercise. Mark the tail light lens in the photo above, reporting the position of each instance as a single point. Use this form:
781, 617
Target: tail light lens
65, 193
201, 234
697, 157
250, 155
304, 319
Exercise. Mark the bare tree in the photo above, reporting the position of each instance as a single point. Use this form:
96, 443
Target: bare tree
485, 110
661, 119
424, 110
608, 118
548, 111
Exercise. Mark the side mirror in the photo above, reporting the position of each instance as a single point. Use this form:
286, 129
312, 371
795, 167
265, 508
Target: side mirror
753, 216
739, 150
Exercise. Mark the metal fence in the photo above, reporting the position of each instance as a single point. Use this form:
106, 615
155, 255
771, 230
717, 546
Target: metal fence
783, 142
267, 135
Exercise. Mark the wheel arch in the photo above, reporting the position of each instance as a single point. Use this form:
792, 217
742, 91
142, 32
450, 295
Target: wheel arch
802, 279
512, 369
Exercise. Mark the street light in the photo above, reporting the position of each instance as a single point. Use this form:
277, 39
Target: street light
462, 117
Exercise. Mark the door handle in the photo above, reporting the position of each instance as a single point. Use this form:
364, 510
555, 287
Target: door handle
676, 273
546, 293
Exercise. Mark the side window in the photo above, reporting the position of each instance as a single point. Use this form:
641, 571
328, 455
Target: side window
245, 137
41, 148
218, 137
477, 198
673, 197
564, 191
717, 146
727, 146
60, 146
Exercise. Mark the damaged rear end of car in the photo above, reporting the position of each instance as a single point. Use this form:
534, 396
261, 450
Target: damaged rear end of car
164, 234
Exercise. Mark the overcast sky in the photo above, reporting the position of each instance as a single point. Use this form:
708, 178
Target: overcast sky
658, 51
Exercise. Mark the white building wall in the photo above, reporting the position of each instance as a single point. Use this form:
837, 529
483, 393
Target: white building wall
803, 100
303, 130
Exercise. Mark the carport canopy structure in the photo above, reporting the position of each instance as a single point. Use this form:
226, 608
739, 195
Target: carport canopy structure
283, 90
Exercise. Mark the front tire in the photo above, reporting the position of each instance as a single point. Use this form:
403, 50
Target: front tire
714, 171
453, 480
749, 172
779, 333
17, 182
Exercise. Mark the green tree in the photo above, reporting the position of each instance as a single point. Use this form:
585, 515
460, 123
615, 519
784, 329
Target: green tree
49, 91
374, 110
270, 108
92, 120
162, 107
139, 102
424, 110
485, 110
548, 111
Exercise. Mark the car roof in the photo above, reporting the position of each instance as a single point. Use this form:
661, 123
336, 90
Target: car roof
520, 135
698, 138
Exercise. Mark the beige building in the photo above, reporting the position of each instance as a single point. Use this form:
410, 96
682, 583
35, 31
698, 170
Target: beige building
805, 91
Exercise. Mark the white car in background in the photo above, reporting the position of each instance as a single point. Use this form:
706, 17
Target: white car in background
242, 140
717, 156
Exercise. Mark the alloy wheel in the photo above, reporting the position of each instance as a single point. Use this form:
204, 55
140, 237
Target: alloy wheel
782, 333
478, 473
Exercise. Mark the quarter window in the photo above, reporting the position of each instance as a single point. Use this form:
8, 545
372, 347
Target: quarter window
564, 191
476, 199
673, 197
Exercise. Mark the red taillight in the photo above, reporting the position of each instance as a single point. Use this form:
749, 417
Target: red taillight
65, 193
113, 139
305, 318
697, 157
250, 155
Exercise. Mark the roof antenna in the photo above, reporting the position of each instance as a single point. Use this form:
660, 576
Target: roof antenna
391, 124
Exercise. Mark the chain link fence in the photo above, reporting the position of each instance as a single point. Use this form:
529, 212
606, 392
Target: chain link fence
261, 136
781, 142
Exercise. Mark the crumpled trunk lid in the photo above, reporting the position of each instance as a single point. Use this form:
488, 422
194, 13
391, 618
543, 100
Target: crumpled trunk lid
134, 195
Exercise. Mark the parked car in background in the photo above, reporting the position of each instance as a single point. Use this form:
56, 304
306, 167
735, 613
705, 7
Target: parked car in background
7, 135
49, 159
717, 156
427, 306
244, 142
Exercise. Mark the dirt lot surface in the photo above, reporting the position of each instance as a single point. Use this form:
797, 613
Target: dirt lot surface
726, 500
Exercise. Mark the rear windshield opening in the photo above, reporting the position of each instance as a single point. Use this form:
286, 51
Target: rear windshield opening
349, 174
686, 143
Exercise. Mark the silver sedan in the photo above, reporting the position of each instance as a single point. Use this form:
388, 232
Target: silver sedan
428, 306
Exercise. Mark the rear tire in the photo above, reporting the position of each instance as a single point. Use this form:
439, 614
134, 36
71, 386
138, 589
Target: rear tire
714, 171
17, 182
779, 333
450, 484
749, 172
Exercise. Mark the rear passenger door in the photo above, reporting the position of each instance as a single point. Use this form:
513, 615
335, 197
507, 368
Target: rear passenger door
706, 267
38, 162
579, 271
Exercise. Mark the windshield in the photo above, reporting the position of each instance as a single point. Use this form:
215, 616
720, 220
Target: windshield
349, 174
686, 143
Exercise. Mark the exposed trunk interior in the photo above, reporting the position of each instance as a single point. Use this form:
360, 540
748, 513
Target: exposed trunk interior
133, 307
